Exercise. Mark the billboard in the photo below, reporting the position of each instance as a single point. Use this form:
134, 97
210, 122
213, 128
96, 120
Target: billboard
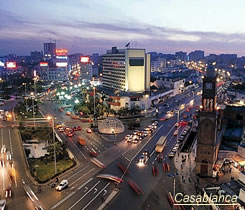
1, 63
11, 65
43, 63
62, 57
61, 64
61, 52
84, 59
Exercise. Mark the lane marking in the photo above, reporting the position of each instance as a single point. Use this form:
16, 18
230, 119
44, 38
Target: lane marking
96, 196
82, 176
63, 200
78, 149
71, 194
84, 195
76, 172
79, 188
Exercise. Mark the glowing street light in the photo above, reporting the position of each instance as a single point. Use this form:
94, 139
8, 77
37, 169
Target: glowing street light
55, 167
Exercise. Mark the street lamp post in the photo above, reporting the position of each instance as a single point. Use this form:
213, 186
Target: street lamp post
33, 111
25, 95
94, 101
178, 125
55, 167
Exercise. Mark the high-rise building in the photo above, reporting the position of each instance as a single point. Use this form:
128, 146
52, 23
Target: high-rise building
197, 55
36, 56
126, 70
49, 49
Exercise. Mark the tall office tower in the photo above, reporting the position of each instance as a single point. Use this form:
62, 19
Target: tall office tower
207, 144
181, 56
126, 70
197, 55
49, 49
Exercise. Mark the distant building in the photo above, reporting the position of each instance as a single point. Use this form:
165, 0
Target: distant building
49, 49
36, 56
158, 65
126, 70
181, 56
197, 55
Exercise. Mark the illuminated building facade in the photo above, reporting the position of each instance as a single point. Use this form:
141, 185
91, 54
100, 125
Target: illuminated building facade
126, 70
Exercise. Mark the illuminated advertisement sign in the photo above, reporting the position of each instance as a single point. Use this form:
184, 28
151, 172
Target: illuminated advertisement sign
1, 63
43, 63
61, 52
11, 65
61, 57
61, 64
84, 59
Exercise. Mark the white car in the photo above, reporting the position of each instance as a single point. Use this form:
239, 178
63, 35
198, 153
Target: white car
63, 184
9, 157
3, 150
175, 149
2, 204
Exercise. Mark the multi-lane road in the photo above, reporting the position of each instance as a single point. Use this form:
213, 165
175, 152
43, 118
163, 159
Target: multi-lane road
86, 191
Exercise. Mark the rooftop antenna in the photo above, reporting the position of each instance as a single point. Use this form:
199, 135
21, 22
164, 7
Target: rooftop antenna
127, 45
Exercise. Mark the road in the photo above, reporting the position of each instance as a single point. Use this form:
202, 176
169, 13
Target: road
89, 193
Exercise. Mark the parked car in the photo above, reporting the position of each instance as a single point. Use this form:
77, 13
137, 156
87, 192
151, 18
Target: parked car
88, 130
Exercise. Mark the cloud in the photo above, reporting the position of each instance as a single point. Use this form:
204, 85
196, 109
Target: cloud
87, 37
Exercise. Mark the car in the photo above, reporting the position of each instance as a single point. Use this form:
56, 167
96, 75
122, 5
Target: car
184, 132
175, 133
69, 134
190, 122
61, 129
185, 116
3, 150
176, 125
155, 170
187, 110
142, 159
174, 149
163, 119
135, 141
2, 204
187, 128
88, 130
63, 184
146, 153
129, 139
171, 154
160, 157
181, 138
183, 123
166, 105
8, 156
75, 128
93, 153
79, 128
8, 193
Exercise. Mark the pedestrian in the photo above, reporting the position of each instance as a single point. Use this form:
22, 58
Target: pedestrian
57, 179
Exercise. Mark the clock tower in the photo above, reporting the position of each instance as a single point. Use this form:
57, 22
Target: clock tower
207, 147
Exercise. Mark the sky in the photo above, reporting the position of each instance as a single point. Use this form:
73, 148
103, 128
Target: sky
215, 26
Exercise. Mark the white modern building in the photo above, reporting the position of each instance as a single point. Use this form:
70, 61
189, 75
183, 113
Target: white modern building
126, 70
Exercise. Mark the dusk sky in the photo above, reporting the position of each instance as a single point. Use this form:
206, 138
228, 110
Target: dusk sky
216, 26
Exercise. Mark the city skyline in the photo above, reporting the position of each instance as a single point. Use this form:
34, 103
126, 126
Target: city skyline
94, 27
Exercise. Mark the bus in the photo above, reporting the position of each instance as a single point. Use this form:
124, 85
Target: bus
161, 144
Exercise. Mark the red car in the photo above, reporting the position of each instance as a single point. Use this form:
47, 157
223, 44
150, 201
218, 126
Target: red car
183, 123
79, 128
70, 134
94, 154
154, 170
163, 119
